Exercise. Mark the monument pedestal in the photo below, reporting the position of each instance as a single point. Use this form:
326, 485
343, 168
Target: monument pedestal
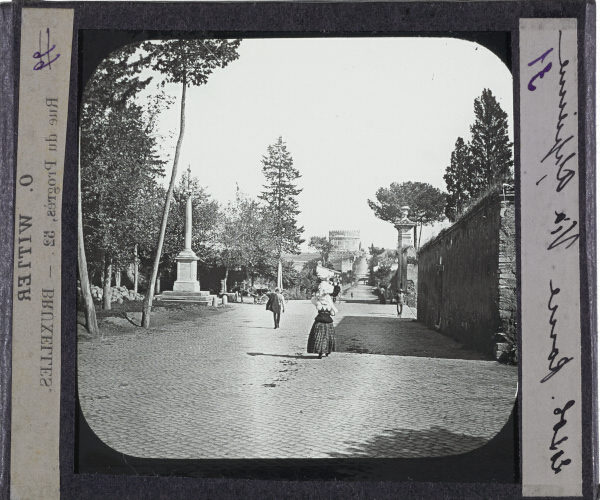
186, 272
187, 287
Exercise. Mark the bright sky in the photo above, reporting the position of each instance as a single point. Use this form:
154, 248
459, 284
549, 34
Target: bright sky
356, 113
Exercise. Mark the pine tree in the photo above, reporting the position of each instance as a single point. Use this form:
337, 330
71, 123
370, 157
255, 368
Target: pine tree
426, 203
280, 194
490, 147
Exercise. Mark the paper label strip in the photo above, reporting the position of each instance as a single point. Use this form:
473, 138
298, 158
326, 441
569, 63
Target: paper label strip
550, 225
46, 38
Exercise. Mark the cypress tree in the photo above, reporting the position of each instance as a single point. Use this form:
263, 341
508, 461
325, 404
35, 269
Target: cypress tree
490, 147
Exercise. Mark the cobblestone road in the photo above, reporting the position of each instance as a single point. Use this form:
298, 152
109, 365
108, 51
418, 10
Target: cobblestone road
230, 386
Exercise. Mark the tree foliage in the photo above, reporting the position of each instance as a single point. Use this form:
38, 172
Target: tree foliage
205, 215
491, 152
308, 279
380, 265
322, 245
189, 62
484, 162
118, 161
460, 180
280, 196
426, 203
186, 62
244, 240
249, 243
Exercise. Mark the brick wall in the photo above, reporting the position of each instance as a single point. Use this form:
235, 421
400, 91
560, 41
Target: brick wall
467, 281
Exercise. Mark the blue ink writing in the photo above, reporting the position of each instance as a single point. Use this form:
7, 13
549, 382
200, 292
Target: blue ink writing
541, 74
41, 64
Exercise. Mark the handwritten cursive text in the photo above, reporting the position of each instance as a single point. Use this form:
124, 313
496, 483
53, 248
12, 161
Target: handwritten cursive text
554, 368
563, 174
554, 442
41, 64
564, 234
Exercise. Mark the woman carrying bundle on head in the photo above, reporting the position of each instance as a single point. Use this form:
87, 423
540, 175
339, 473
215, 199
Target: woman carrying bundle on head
321, 339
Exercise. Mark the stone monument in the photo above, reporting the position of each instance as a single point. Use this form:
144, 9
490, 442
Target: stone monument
187, 286
187, 269
406, 249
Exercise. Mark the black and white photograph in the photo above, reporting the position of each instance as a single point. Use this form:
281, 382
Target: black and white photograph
283, 250
297, 248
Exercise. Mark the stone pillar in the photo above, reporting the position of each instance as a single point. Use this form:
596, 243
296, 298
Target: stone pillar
188, 224
279, 275
187, 260
405, 229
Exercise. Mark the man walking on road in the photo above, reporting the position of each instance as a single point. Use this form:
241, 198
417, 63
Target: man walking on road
276, 305
399, 301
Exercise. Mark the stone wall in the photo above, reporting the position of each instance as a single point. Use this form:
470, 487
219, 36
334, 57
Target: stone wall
467, 280
507, 270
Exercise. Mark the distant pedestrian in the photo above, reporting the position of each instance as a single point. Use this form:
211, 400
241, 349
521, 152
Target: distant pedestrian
399, 301
336, 291
351, 295
321, 339
276, 304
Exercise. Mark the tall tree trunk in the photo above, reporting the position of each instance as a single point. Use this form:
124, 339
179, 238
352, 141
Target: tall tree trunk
161, 237
225, 280
136, 266
117, 277
106, 295
420, 232
88, 302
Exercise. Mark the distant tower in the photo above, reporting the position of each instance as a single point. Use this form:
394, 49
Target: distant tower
345, 249
345, 241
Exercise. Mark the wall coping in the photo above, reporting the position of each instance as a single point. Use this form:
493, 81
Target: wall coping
490, 199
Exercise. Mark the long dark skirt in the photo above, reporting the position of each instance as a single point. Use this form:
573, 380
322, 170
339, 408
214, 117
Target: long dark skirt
321, 339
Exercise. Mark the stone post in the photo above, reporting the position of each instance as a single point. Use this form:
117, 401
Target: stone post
405, 229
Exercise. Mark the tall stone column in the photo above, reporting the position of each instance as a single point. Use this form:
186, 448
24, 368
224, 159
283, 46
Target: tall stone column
187, 269
405, 229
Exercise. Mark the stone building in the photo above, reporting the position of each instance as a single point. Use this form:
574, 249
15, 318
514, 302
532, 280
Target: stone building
346, 249
467, 275
345, 241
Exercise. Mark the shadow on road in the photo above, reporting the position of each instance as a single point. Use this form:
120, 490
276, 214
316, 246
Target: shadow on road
359, 301
399, 337
398, 443
298, 356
